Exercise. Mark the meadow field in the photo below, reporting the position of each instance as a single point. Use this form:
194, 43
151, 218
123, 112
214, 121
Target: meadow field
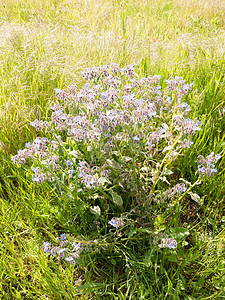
143, 213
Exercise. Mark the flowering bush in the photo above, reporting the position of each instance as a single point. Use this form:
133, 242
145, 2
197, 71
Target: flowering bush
111, 145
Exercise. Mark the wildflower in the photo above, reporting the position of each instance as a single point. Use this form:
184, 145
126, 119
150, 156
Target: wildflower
46, 247
127, 89
21, 156
136, 138
187, 144
28, 145
180, 188
107, 135
61, 94
77, 248
53, 251
116, 222
38, 176
168, 243
206, 166
56, 107
63, 237
91, 73
129, 70
176, 190
92, 181
184, 106
70, 171
157, 136
114, 68
61, 253
39, 125
68, 162
70, 259
191, 126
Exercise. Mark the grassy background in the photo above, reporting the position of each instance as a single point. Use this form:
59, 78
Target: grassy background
44, 45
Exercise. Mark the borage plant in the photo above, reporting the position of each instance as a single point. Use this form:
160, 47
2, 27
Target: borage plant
110, 152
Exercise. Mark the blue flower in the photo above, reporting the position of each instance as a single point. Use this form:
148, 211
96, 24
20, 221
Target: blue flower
63, 237
68, 162
46, 247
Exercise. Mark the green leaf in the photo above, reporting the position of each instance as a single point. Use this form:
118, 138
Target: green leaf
167, 149
139, 230
76, 154
167, 172
117, 199
172, 257
113, 164
117, 153
196, 198
60, 151
185, 181
179, 232
126, 159
104, 180
131, 233
95, 210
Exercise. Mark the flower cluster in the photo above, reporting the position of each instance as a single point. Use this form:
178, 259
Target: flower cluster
206, 165
99, 135
97, 111
66, 250
37, 148
168, 243
186, 126
91, 176
176, 190
39, 125
69, 248
115, 104
163, 241
179, 85
116, 222
38, 176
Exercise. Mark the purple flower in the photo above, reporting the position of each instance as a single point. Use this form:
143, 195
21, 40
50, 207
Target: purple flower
28, 145
38, 176
168, 243
176, 190
46, 247
68, 162
78, 248
61, 253
70, 259
136, 138
180, 188
63, 237
70, 171
206, 165
186, 143
39, 125
116, 222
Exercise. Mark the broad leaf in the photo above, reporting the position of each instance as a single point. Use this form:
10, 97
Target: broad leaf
196, 198
117, 199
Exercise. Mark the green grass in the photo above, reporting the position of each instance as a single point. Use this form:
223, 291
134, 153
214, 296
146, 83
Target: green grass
44, 45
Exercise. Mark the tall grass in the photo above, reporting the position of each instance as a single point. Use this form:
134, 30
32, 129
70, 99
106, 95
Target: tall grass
45, 45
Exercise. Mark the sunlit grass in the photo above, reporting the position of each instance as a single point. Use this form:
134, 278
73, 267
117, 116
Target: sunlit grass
44, 45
